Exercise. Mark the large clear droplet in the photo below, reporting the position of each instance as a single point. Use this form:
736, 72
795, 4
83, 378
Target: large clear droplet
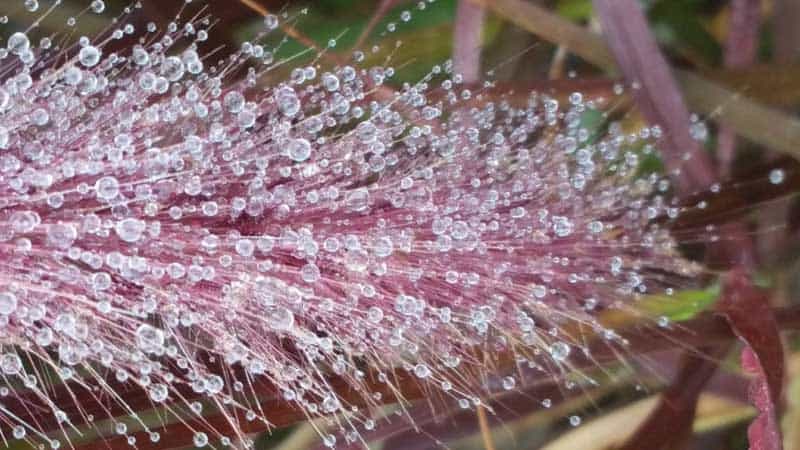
287, 101
89, 56
560, 351
149, 339
299, 150
10, 364
282, 319
18, 43
200, 439
130, 230
8, 303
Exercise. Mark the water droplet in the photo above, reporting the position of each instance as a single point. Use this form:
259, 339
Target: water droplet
130, 230
10, 364
61, 235
234, 101
4, 137
19, 432
18, 43
367, 132
158, 392
375, 314
8, 303
107, 188
776, 176
245, 247
281, 318
287, 101
173, 68
40, 117
98, 6
299, 149
89, 56
422, 371
149, 339
357, 200
330, 82
214, 384
560, 351
310, 273
200, 439
271, 21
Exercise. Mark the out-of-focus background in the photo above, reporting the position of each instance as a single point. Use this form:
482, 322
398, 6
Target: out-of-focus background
694, 35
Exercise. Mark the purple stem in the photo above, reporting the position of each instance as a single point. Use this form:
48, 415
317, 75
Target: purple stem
655, 91
740, 51
467, 40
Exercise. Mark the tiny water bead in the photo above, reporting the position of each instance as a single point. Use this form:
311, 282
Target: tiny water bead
19, 432
776, 176
98, 6
560, 351
310, 273
422, 371
200, 439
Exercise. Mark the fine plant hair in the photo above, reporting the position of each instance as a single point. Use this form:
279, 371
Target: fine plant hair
179, 224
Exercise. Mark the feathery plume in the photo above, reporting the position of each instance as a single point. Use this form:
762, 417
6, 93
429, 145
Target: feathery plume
182, 228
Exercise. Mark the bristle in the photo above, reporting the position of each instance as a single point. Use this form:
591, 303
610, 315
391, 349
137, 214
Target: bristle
186, 229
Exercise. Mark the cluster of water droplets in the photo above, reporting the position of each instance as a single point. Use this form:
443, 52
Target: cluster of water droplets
179, 227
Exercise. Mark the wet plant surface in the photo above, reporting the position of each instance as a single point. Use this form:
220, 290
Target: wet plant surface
398, 224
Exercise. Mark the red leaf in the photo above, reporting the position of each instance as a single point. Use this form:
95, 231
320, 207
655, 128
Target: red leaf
747, 310
669, 426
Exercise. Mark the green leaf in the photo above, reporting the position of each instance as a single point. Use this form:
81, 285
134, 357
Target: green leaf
594, 121
682, 305
577, 10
